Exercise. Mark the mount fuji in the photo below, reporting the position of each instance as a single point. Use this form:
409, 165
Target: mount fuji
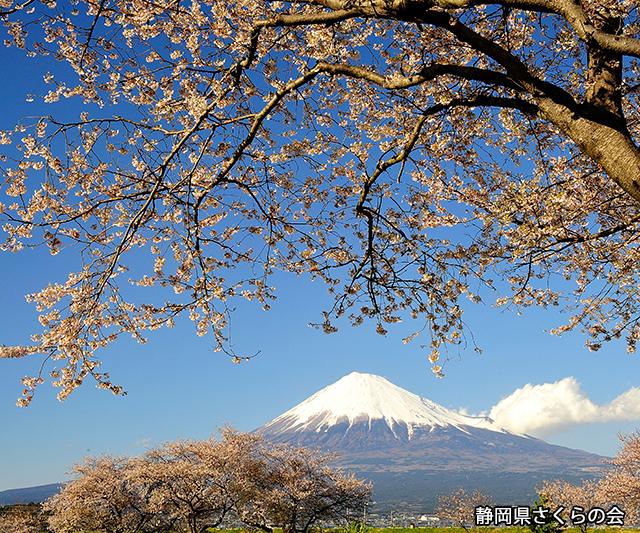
414, 449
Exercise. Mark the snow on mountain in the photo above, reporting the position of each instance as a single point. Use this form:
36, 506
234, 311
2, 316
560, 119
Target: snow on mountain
358, 398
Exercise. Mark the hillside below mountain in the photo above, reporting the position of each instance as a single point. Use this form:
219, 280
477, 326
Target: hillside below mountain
36, 494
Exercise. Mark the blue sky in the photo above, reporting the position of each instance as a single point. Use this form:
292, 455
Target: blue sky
178, 387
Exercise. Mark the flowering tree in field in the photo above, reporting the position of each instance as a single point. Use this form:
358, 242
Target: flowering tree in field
21, 519
409, 153
559, 493
296, 489
101, 497
196, 483
621, 485
459, 507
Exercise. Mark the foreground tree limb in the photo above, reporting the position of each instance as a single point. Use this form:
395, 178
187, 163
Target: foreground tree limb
411, 154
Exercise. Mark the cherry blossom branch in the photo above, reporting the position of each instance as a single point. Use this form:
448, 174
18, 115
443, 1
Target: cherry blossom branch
257, 123
90, 33
427, 73
18, 7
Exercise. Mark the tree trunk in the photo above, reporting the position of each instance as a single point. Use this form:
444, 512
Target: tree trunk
595, 131
598, 126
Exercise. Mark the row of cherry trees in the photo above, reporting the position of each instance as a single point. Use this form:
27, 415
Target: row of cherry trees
194, 485
620, 486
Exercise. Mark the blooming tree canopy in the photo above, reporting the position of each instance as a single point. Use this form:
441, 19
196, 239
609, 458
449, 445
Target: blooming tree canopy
622, 482
560, 493
296, 489
197, 482
409, 153
101, 497
21, 519
459, 507
194, 484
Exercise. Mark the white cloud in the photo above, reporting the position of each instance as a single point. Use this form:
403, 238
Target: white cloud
542, 410
137, 443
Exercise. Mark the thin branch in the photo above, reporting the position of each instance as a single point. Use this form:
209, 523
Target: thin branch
90, 34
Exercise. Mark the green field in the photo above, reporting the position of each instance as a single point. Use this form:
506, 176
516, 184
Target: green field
34, 508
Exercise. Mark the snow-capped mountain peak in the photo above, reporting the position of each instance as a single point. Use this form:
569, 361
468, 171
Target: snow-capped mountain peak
364, 398
413, 448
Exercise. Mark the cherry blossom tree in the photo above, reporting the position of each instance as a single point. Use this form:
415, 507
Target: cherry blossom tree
13, 523
409, 153
197, 482
559, 493
621, 485
459, 507
21, 519
296, 489
101, 497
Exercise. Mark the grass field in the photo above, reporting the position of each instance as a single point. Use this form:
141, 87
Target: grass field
452, 530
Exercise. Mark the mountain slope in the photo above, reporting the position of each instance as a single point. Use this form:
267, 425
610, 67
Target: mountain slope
36, 494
